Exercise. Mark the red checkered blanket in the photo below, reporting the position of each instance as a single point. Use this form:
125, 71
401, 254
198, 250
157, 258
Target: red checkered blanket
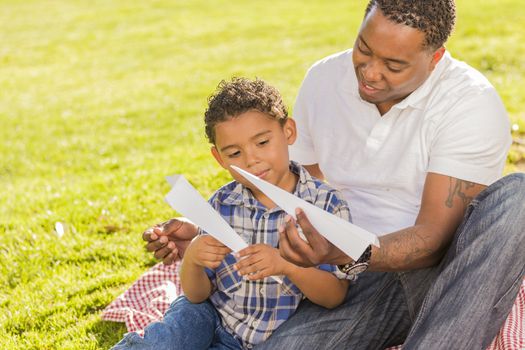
150, 296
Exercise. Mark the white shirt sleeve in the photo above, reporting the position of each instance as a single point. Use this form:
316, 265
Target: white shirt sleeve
303, 151
470, 142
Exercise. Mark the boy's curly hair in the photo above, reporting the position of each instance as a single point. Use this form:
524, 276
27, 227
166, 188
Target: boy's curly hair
239, 96
435, 18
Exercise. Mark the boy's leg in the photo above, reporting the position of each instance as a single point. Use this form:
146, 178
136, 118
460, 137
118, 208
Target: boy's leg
185, 326
375, 315
224, 340
481, 274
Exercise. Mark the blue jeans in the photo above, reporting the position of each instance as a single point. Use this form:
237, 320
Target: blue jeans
459, 304
185, 326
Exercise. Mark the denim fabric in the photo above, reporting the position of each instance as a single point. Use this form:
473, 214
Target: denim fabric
185, 326
459, 304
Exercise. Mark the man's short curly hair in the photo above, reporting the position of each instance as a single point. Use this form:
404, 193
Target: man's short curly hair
239, 96
435, 18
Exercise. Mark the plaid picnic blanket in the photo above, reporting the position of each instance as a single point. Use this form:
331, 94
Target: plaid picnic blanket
150, 296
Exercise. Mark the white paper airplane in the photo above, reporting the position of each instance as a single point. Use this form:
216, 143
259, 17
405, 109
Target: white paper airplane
351, 239
185, 199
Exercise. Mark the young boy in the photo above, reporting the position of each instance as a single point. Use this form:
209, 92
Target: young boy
248, 126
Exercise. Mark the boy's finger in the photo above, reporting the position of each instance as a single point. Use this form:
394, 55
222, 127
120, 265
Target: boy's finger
217, 250
258, 275
252, 249
248, 262
210, 256
247, 270
212, 241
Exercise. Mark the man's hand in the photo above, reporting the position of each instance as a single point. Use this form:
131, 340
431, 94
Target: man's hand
206, 251
169, 240
300, 252
261, 260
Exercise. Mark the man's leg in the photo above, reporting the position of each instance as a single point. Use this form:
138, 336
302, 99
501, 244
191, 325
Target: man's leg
375, 315
185, 326
481, 274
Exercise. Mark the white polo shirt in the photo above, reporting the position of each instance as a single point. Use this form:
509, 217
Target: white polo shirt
454, 124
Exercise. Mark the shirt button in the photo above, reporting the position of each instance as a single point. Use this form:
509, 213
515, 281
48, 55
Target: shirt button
265, 215
262, 291
255, 323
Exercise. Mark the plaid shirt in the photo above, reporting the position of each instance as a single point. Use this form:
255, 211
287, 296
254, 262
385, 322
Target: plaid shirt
252, 310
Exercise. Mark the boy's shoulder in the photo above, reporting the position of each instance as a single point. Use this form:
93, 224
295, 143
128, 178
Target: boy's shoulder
311, 188
232, 191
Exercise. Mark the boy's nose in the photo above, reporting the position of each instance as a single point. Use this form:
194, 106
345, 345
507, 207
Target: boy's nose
252, 158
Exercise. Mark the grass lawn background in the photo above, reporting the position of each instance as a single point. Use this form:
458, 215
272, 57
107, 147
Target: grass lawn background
99, 100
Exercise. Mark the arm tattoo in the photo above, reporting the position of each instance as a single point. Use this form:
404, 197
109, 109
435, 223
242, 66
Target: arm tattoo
457, 189
405, 249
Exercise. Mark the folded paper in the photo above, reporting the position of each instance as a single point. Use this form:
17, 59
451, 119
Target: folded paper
351, 239
185, 199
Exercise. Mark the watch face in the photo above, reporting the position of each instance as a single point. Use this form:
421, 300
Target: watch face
357, 269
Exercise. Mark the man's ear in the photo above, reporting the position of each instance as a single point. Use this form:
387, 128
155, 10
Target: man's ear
290, 131
436, 57
217, 156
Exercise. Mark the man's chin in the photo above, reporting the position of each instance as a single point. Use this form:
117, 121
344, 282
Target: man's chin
368, 98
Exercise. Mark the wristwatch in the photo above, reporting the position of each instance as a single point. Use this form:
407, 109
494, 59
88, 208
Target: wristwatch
360, 265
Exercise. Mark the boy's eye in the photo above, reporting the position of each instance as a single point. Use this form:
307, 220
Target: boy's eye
263, 142
234, 154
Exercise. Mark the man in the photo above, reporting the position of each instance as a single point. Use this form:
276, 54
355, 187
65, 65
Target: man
412, 138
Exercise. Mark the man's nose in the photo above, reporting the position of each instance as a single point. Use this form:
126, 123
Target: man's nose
372, 71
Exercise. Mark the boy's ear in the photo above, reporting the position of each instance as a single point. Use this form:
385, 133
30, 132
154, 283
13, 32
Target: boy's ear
290, 130
217, 156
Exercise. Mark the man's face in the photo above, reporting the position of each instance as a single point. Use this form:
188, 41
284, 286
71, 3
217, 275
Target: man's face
258, 144
390, 61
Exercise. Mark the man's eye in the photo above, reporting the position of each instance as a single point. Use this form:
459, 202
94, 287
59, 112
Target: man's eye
263, 142
363, 50
394, 70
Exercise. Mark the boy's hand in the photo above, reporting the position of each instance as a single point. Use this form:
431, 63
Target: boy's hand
261, 260
206, 251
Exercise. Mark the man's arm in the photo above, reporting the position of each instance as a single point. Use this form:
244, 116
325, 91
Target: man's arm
443, 205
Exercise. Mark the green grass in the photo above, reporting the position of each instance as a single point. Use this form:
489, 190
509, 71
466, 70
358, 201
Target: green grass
99, 100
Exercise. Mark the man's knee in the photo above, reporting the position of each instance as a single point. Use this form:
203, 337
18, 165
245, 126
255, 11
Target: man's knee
508, 192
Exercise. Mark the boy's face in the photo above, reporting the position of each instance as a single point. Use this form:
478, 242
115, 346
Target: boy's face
258, 144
